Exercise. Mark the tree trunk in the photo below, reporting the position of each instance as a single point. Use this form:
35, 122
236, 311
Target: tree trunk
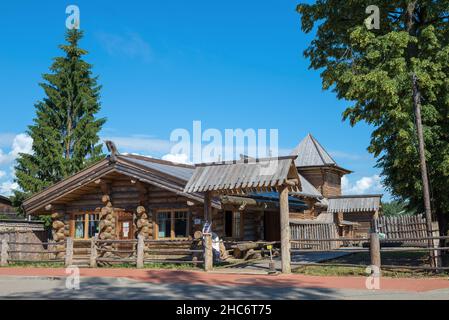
412, 51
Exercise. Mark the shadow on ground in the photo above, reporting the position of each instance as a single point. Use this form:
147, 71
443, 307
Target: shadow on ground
179, 287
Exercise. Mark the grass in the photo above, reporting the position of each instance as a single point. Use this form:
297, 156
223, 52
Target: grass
36, 265
415, 259
165, 266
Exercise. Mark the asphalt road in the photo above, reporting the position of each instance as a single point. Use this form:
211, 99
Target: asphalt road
126, 289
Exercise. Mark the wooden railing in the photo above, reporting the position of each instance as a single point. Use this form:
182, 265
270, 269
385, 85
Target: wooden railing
42, 252
375, 248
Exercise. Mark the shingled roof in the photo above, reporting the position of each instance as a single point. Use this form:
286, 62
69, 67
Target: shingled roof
310, 153
237, 177
359, 203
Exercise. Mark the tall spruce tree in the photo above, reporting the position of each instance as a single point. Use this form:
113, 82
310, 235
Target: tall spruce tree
65, 130
373, 69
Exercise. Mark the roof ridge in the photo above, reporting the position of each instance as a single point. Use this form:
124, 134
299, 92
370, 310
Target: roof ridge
156, 160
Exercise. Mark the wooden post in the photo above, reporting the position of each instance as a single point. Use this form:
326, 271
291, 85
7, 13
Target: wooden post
93, 253
68, 252
207, 207
436, 243
140, 252
208, 254
285, 230
4, 253
375, 250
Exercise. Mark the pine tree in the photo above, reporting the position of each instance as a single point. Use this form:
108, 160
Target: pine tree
65, 129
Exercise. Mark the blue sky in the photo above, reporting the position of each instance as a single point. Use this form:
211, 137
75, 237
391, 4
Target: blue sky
233, 64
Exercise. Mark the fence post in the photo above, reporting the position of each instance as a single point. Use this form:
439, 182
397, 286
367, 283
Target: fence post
4, 253
285, 231
436, 244
93, 253
208, 254
68, 252
375, 250
140, 252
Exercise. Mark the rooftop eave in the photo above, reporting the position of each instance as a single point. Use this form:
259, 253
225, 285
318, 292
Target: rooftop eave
328, 166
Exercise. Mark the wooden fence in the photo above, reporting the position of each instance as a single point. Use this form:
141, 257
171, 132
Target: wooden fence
314, 231
26, 252
405, 227
376, 248
110, 252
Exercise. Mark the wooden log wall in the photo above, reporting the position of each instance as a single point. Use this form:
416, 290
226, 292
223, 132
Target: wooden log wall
364, 220
328, 182
332, 184
107, 227
218, 223
127, 196
252, 224
59, 232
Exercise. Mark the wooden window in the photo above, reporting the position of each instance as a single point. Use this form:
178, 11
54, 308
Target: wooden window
172, 224
233, 225
86, 225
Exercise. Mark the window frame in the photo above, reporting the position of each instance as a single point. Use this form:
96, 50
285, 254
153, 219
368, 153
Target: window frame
172, 220
241, 226
87, 220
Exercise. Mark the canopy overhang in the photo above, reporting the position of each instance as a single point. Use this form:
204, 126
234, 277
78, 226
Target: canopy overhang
245, 176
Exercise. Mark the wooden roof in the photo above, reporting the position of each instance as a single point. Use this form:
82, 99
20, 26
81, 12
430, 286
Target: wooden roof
247, 175
358, 203
310, 153
5, 200
163, 174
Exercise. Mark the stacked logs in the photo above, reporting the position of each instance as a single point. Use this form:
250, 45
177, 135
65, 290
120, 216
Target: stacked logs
59, 233
107, 227
143, 226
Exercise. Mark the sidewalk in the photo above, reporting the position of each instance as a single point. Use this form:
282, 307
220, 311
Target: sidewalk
232, 280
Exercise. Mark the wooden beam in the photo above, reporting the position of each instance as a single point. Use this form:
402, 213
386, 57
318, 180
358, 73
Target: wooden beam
285, 230
208, 207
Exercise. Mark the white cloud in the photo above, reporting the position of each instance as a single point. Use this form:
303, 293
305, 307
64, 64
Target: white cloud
20, 143
177, 158
6, 188
6, 139
364, 185
5, 158
130, 45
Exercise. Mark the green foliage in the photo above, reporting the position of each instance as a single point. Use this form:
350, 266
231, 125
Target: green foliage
46, 220
65, 129
372, 69
396, 208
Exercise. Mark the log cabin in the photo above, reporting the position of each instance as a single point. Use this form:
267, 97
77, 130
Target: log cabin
124, 196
